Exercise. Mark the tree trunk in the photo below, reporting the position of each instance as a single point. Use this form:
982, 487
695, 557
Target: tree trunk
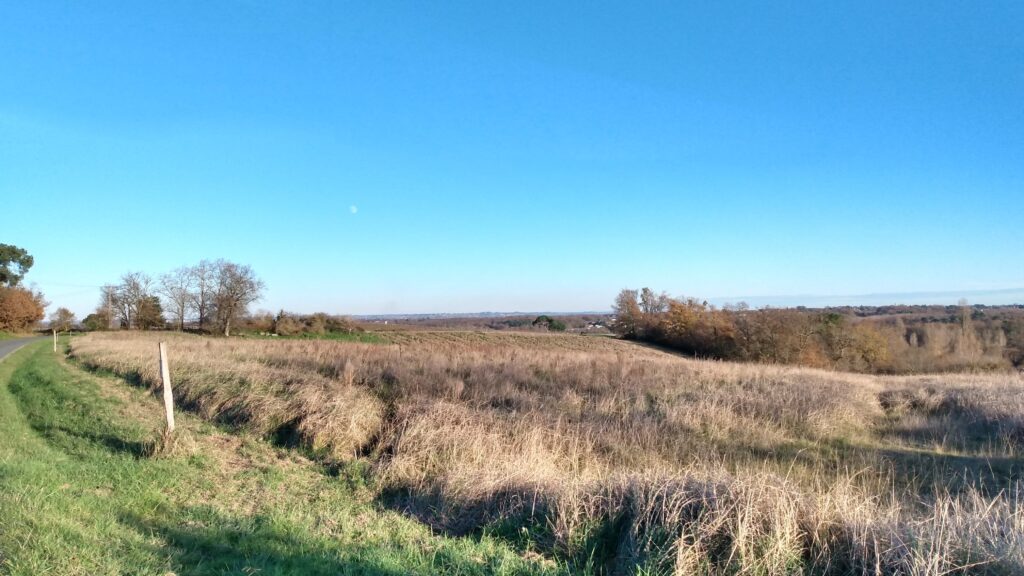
227, 327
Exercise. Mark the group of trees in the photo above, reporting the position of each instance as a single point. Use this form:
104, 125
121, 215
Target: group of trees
818, 338
211, 294
20, 308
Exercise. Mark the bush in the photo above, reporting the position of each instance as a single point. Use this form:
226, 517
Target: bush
99, 320
319, 324
550, 323
286, 325
20, 309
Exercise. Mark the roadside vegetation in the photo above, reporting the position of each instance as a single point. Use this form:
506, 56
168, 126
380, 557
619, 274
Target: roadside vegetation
609, 457
81, 494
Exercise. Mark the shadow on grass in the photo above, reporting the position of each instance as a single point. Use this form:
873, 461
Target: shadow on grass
906, 469
210, 543
928, 471
69, 420
519, 516
963, 434
457, 519
60, 436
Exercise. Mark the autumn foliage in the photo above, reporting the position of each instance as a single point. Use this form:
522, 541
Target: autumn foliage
20, 309
815, 338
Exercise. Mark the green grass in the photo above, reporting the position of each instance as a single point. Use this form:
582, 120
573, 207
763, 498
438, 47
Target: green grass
9, 336
362, 337
80, 494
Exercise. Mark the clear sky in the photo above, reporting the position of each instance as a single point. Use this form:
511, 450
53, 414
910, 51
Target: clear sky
379, 157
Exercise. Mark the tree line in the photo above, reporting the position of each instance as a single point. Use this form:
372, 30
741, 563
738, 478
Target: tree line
213, 295
819, 338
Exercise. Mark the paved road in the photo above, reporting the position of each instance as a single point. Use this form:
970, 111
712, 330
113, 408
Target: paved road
8, 346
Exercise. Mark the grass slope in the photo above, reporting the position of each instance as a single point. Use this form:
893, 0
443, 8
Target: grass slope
79, 495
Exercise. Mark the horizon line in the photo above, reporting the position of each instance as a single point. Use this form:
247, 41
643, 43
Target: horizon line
822, 301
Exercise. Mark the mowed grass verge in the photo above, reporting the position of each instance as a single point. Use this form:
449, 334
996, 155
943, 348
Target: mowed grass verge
80, 494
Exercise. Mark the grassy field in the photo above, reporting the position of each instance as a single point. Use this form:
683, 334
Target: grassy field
363, 337
610, 457
477, 339
81, 493
615, 458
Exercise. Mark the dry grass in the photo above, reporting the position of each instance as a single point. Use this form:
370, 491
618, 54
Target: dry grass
624, 456
477, 339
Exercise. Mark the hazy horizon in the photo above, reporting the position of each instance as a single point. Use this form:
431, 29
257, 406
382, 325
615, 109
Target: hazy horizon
1004, 297
1007, 297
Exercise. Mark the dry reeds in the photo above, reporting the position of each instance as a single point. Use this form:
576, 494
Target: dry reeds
628, 456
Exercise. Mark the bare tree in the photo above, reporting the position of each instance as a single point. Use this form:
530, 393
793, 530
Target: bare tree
107, 309
653, 307
135, 287
652, 303
62, 319
203, 290
965, 315
176, 288
628, 317
237, 287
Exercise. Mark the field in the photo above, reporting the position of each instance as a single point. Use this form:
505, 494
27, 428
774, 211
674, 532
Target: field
607, 457
82, 492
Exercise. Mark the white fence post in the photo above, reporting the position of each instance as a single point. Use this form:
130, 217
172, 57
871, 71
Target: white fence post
54, 339
165, 381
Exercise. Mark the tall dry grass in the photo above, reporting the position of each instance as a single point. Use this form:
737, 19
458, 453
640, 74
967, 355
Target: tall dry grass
627, 457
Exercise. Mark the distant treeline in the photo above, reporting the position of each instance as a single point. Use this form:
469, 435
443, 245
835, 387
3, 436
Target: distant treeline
960, 339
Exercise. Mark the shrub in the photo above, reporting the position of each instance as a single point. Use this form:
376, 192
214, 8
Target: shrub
20, 309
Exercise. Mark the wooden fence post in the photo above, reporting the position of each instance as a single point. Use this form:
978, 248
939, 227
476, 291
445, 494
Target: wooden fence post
165, 381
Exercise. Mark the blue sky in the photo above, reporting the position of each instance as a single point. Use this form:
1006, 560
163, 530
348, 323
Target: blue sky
418, 157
